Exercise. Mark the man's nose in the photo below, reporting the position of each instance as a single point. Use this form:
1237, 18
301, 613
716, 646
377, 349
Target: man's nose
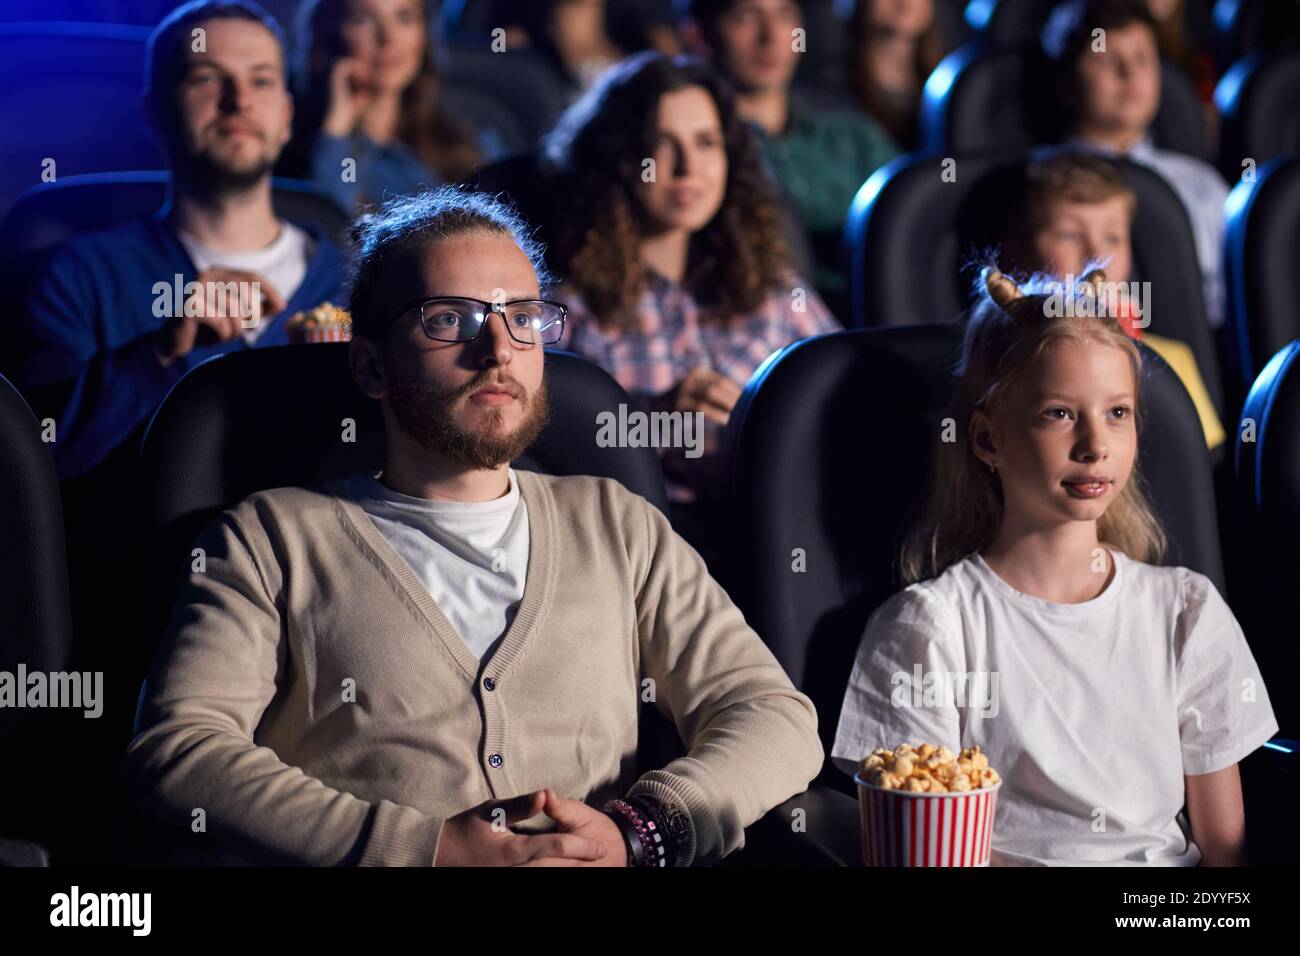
232, 96
495, 344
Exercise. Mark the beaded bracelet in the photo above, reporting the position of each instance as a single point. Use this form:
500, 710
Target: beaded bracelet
657, 823
674, 823
632, 842
646, 844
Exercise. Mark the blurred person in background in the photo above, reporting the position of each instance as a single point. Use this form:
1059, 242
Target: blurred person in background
820, 158
368, 91
895, 46
573, 35
1111, 97
99, 346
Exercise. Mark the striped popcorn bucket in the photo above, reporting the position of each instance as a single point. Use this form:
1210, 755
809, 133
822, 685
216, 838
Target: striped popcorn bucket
900, 828
334, 332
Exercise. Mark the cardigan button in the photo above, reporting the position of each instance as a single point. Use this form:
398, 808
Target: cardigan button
496, 760
489, 684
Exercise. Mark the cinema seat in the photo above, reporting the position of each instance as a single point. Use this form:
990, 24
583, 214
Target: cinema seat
71, 92
829, 449
910, 232
1268, 499
266, 418
986, 97
47, 214
520, 91
36, 631
1248, 26
1009, 21
1261, 249
1268, 527
1260, 110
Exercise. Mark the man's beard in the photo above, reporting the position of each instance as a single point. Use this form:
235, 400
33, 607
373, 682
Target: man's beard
212, 176
425, 413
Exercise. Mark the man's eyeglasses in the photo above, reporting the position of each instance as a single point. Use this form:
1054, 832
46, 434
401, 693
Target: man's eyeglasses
458, 319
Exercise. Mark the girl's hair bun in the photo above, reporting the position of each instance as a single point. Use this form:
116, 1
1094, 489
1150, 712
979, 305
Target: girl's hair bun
1002, 289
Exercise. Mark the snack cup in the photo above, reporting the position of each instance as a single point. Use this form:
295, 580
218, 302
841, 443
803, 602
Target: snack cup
334, 332
902, 828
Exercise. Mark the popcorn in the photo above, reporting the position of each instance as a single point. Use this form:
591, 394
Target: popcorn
323, 323
929, 769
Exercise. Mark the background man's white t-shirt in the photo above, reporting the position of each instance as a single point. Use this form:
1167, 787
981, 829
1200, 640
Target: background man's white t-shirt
283, 263
1091, 712
471, 555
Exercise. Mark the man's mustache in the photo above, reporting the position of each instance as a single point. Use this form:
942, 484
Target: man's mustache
485, 380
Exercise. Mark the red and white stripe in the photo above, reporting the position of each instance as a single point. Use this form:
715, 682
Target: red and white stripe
900, 828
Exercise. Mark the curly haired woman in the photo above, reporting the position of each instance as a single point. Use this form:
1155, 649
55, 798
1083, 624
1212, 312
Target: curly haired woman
678, 274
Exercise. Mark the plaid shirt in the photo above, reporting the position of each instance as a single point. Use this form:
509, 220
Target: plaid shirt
672, 341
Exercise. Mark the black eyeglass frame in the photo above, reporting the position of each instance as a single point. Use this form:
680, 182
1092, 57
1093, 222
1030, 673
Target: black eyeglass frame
486, 309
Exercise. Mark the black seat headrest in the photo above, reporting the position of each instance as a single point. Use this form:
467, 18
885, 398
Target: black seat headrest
1260, 111
1268, 521
34, 606
912, 231
1261, 250
986, 97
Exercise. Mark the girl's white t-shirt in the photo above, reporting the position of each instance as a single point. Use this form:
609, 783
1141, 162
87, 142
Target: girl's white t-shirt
1091, 712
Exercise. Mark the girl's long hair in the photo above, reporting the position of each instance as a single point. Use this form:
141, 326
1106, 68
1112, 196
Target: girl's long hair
733, 264
440, 141
1008, 331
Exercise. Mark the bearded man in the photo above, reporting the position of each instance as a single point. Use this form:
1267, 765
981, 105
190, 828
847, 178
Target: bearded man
117, 316
442, 663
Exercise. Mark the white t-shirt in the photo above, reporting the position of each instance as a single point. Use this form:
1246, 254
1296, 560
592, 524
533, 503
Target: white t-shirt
284, 263
1091, 712
471, 555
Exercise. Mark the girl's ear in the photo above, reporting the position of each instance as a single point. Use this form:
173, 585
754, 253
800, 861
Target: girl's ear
981, 437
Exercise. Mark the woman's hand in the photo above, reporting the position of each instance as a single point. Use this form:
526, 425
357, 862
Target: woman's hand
702, 390
350, 94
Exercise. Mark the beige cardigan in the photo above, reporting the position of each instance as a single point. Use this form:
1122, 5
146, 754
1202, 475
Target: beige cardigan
311, 698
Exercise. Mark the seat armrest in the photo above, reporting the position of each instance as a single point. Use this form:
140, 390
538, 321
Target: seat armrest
819, 827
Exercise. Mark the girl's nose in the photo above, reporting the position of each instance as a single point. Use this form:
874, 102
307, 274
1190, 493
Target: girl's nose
1093, 445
